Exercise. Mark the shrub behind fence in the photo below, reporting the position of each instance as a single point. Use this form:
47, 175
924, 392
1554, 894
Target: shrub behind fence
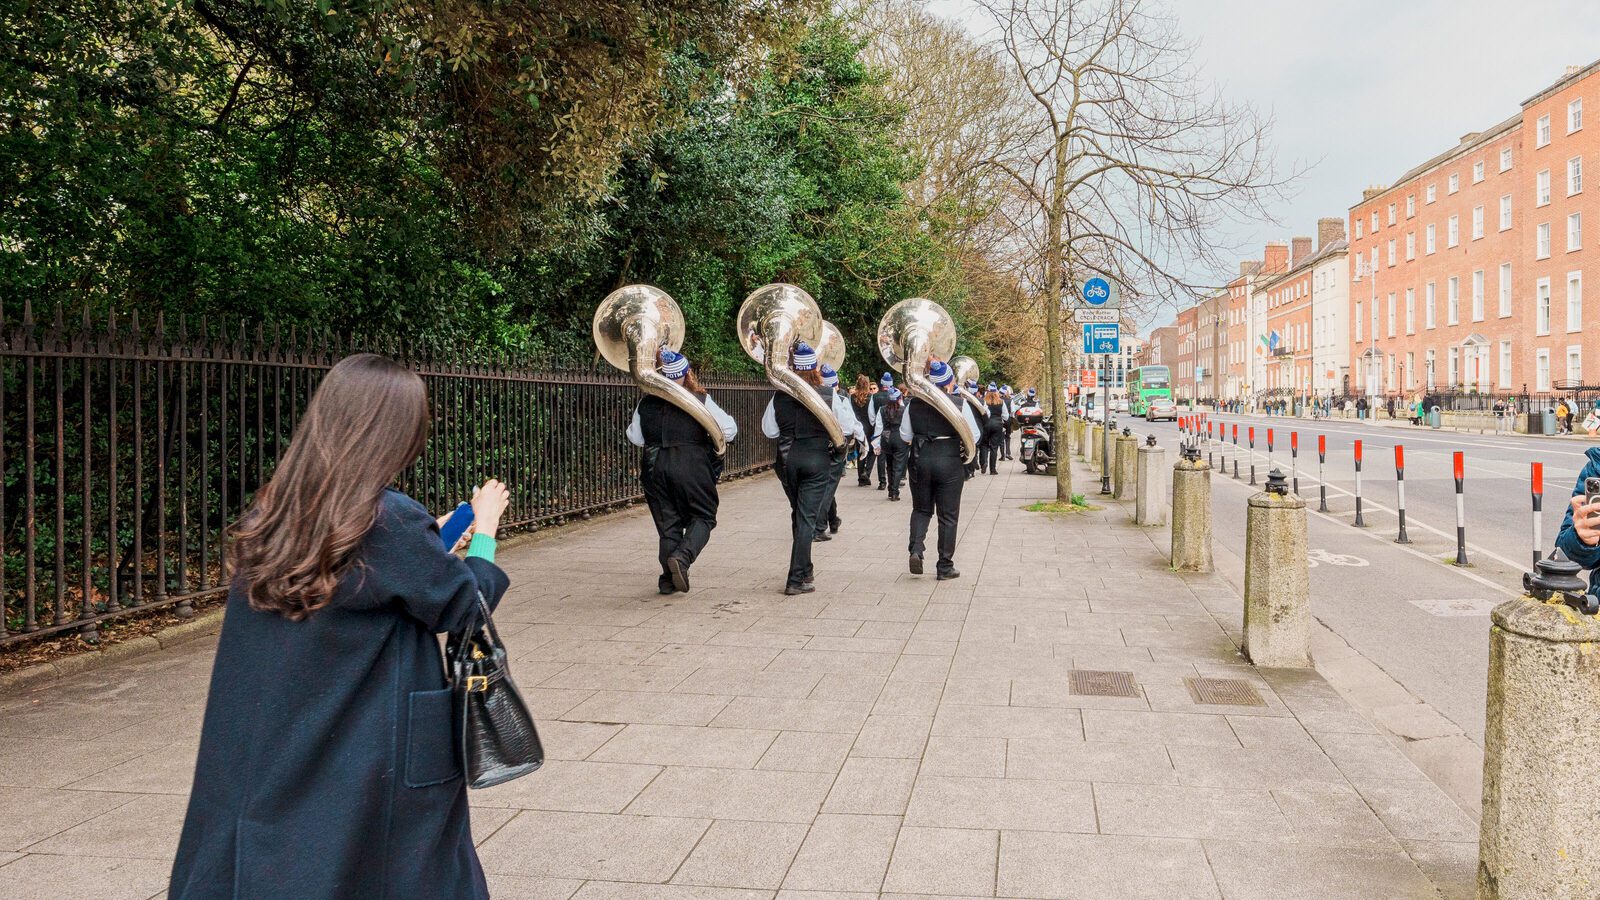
125, 451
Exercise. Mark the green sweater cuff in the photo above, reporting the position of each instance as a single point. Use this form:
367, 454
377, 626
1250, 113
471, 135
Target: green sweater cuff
482, 547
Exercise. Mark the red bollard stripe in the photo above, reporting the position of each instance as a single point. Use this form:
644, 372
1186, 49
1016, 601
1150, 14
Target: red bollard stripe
1538, 479
1294, 440
1461, 467
1358, 451
1399, 456
1322, 444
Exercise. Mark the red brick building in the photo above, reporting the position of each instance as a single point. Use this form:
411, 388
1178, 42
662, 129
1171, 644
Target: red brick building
1468, 272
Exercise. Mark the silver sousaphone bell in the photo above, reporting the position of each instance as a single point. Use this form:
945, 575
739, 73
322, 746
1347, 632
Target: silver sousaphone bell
966, 369
770, 321
909, 334
830, 347
631, 326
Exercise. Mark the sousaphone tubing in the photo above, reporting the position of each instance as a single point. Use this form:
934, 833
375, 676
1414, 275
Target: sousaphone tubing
910, 334
631, 326
770, 321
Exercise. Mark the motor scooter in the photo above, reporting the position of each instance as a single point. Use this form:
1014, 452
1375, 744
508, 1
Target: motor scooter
1037, 452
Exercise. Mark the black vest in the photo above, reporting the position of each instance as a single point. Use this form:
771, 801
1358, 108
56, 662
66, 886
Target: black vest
892, 414
927, 423
796, 425
665, 425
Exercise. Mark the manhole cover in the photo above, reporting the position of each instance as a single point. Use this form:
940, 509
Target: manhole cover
1223, 692
1103, 684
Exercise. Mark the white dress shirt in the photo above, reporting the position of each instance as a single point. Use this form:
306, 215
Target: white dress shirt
907, 435
730, 428
843, 413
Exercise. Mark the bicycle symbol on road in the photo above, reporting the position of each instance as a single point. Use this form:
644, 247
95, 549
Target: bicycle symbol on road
1318, 556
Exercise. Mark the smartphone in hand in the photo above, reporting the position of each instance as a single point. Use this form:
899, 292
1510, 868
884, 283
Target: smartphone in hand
455, 526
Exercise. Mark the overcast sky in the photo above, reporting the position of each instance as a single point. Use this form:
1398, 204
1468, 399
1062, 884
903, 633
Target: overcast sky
1362, 90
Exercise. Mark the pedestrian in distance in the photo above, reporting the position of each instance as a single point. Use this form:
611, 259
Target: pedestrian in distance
678, 472
1591, 422
937, 473
329, 766
890, 446
1010, 420
861, 403
805, 463
993, 429
828, 520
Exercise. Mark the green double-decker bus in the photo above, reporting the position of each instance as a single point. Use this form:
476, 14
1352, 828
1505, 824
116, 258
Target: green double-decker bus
1145, 384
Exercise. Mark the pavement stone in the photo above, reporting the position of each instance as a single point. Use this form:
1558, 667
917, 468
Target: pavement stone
889, 736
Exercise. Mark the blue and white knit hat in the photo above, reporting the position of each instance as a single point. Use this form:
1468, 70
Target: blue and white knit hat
940, 374
992, 387
805, 358
674, 365
1005, 388
829, 376
894, 394
1032, 392
887, 381
972, 384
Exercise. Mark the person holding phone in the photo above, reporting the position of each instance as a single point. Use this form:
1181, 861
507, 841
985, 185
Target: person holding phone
1579, 537
678, 471
329, 764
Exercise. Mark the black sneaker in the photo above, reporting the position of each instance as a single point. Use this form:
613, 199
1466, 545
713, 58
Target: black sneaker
821, 536
916, 564
949, 574
664, 585
894, 496
680, 573
833, 527
792, 589
880, 487
863, 482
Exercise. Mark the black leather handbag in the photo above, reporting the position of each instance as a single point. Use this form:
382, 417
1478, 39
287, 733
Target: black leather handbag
498, 739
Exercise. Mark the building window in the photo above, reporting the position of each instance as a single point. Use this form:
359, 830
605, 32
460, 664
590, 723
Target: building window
1574, 301
1374, 220
1505, 212
1455, 367
1542, 131
1452, 302
1542, 241
1391, 253
1431, 241
1431, 357
1411, 370
1427, 305
1452, 231
1541, 307
1433, 193
1505, 158
1477, 171
1574, 176
1541, 371
1411, 205
1477, 295
1574, 232
1541, 188
1391, 314
1505, 364
1477, 222
1358, 321
1411, 310
1455, 184
1575, 364
1391, 214
1574, 115
1505, 290
1358, 228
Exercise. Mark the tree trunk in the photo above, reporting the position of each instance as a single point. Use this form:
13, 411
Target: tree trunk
1055, 260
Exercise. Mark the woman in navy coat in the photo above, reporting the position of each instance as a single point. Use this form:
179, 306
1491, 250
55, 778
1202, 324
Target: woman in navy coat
328, 763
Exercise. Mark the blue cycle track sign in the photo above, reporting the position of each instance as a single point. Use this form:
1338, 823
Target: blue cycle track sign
1097, 292
1102, 338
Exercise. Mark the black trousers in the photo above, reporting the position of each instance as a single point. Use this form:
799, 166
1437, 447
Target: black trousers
828, 512
865, 460
681, 490
936, 482
806, 473
989, 449
1005, 445
882, 466
894, 457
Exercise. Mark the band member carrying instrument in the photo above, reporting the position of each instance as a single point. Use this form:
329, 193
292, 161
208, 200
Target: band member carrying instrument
682, 431
828, 521
937, 472
678, 472
889, 445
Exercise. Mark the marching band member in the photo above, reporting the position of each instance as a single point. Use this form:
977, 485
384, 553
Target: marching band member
981, 416
936, 470
1010, 420
828, 513
993, 429
861, 401
878, 400
678, 471
890, 446
805, 464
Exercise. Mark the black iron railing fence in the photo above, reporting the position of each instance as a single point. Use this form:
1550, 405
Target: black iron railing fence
126, 451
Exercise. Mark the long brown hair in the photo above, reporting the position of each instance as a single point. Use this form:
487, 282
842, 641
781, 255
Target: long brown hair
862, 390
812, 377
366, 423
691, 382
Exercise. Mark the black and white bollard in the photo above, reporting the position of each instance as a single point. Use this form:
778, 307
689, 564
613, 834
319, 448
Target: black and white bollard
1322, 479
1252, 454
1294, 460
1270, 466
1360, 523
1400, 490
1461, 508
1538, 510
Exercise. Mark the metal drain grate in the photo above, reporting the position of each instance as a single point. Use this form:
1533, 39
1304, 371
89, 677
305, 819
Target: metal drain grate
1223, 692
1090, 683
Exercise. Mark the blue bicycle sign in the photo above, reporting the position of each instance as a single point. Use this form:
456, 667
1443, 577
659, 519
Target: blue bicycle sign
1096, 291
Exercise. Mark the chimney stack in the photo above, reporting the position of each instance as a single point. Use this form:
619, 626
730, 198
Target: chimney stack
1301, 249
1276, 258
1371, 192
1329, 229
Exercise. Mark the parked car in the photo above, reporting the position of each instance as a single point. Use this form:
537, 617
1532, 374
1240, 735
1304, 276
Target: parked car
1161, 408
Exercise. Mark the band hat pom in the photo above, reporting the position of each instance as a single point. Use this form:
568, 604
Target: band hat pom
829, 376
887, 380
805, 358
992, 387
940, 374
674, 365
894, 394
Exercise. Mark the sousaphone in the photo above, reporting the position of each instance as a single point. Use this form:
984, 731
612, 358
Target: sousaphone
771, 320
912, 332
966, 369
830, 347
631, 326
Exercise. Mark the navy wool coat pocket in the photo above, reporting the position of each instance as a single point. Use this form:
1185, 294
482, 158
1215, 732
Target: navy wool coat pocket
328, 763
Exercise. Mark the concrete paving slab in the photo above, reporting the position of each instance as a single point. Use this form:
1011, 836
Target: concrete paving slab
1095, 866
743, 854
